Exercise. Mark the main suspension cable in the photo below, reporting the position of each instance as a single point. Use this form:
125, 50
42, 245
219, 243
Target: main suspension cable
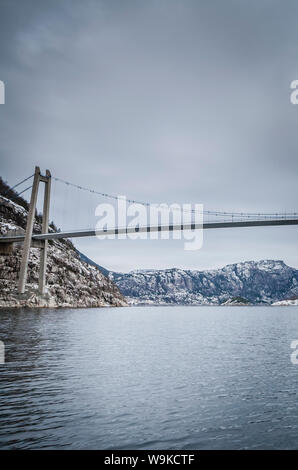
148, 204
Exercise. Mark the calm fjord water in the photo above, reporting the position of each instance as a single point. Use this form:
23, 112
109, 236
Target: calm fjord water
149, 378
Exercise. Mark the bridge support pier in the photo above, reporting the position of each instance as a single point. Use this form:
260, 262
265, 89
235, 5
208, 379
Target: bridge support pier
45, 229
29, 230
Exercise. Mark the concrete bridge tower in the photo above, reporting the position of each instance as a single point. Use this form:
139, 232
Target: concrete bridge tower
42, 244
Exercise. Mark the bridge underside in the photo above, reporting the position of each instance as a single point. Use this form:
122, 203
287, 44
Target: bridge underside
160, 228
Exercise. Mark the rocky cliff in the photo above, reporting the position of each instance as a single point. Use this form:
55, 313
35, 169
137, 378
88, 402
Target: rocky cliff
71, 281
255, 282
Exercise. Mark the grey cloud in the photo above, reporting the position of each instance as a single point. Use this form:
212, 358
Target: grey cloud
161, 100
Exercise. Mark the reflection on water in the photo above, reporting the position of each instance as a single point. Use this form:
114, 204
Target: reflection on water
149, 378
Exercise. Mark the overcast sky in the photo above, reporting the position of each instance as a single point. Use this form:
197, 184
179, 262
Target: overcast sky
159, 100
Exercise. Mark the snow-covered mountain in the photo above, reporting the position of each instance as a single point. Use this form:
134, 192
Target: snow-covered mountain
265, 281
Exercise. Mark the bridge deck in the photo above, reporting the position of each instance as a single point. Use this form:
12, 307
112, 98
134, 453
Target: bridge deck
158, 228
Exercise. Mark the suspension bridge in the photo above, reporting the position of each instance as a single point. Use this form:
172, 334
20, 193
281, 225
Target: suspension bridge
211, 220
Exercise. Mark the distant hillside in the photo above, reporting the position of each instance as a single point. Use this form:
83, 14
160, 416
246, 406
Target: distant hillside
256, 282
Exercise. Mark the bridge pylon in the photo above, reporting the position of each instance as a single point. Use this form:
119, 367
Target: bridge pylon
38, 177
